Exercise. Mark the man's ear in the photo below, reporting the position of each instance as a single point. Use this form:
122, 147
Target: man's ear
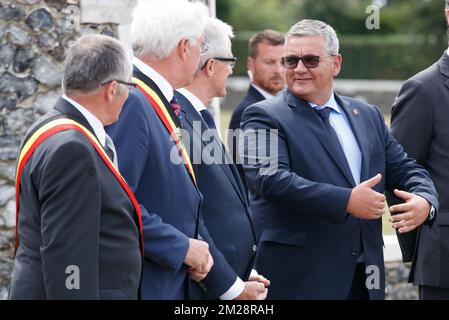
337, 65
210, 67
250, 64
111, 90
183, 47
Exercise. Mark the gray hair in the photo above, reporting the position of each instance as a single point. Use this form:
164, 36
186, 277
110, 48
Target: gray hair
93, 60
311, 28
217, 36
159, 25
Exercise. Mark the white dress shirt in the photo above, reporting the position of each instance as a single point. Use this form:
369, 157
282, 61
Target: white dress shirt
165, 86
264, 93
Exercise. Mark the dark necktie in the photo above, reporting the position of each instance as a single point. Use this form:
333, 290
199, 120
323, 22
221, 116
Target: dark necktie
110, 149
324, 115
208, 119
175, 106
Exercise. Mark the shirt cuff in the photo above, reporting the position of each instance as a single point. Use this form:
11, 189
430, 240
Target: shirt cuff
233, 292
253, 273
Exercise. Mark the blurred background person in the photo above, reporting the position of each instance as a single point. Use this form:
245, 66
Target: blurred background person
266, 49
225, 207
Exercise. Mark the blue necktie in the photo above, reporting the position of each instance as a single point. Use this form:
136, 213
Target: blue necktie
208, 119
324, 115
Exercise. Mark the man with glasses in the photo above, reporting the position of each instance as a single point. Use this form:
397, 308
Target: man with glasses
78, 222
419, 121
167, 39
265, 50
225, 208
318, 214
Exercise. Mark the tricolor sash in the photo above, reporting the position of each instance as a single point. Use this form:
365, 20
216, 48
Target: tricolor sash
46, 131
168, 122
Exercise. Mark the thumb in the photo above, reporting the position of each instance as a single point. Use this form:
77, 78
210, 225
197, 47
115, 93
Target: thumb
402, 194
371, 183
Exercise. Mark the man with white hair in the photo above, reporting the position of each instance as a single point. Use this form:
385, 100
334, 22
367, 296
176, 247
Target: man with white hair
225, 208
167, 39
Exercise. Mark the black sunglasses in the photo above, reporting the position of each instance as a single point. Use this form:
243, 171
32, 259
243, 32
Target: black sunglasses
309, 61
232, 60
131, 85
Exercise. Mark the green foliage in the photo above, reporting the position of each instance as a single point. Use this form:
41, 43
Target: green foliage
412, 33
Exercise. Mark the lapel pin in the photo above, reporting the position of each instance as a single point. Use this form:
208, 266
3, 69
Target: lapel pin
355, 112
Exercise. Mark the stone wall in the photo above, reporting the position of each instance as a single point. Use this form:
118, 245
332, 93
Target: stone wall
34, 36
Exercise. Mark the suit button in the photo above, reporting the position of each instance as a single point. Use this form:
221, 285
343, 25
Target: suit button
254, 248
354, 252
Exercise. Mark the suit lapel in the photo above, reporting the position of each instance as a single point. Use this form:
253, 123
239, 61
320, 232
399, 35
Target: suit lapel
313, 121
358, 128
191, 115
443, 65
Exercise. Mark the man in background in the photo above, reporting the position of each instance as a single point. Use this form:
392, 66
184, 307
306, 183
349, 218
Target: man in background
265, 51
419, 121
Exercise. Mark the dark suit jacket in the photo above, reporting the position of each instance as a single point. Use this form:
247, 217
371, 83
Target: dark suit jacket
225, 209
252, 96
73, 211
309, 246
419, 121
169, 199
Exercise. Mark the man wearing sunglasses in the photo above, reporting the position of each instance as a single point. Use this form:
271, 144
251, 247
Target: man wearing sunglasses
318, 215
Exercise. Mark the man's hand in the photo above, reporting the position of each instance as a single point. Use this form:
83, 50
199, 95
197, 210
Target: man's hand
198, 258
365, 203
414, 211
254, 290
260, 278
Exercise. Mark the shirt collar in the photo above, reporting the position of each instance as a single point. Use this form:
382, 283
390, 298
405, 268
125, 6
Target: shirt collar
265, 94
162, 83
447, 51
331, 103
93, 121
197, 103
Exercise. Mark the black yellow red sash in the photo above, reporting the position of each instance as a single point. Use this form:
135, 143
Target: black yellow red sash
47, 131
169, 124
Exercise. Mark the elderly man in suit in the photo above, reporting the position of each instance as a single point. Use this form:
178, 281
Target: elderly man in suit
78, 222
318, 209
419, 120
225, 207
265, 50
167, 38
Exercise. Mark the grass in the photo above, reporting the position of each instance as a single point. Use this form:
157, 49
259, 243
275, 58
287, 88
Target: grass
225, 116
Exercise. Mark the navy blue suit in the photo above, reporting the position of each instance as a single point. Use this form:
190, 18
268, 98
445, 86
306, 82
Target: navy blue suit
252, 96
225, 208
169, 199
309, 245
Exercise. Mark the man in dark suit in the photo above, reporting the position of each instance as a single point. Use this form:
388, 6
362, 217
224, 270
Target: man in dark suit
78, 230
225, 208
419, 120
152, 155
265, 50
317, 191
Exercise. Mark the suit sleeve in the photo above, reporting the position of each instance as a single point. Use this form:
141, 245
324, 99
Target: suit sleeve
164, 244
70, 193
403, 172
412, 120
221, 277
270, 176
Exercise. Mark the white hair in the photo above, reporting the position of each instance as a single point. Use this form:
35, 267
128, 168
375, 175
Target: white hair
310, 28
159, 25
217, 36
